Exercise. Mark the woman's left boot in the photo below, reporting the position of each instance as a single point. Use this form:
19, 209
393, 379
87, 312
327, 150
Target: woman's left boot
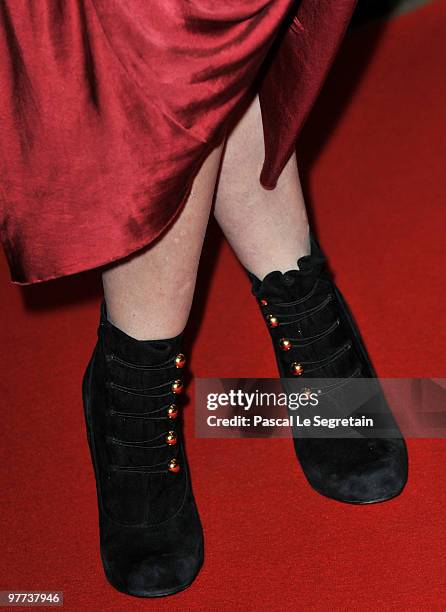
315, 337
150, 532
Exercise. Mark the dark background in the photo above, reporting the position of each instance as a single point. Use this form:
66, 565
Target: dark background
368, 10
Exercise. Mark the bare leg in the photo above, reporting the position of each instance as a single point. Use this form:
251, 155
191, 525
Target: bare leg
268, 230
149, 296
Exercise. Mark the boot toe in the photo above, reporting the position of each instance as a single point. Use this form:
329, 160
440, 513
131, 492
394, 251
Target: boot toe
157, 561
360, 480
158, 576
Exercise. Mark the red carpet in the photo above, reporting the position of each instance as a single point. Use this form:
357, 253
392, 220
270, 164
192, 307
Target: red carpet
375, 149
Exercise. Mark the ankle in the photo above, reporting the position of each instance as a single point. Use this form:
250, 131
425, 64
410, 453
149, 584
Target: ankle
117, 342
141, 326
284, 258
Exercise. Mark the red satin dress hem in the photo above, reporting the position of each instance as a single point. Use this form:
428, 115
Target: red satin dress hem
108, 110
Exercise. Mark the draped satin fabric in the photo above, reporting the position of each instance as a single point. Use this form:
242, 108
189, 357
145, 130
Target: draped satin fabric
108, 108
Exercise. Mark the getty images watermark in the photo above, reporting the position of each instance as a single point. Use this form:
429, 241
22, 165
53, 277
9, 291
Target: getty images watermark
347, 407
260, 400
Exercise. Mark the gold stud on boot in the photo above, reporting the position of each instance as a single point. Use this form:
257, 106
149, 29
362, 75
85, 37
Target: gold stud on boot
171, 438
180, 360
172, 411
297, 369
272, 320
285, 344
174, 466
177, 386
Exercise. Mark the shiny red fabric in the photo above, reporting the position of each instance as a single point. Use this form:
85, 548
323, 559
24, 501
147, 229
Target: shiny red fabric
109, 107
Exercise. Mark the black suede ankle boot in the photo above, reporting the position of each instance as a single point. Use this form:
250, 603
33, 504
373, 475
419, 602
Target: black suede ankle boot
150, 532
314, 336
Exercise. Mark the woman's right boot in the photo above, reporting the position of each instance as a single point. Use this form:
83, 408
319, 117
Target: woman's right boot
150, 532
